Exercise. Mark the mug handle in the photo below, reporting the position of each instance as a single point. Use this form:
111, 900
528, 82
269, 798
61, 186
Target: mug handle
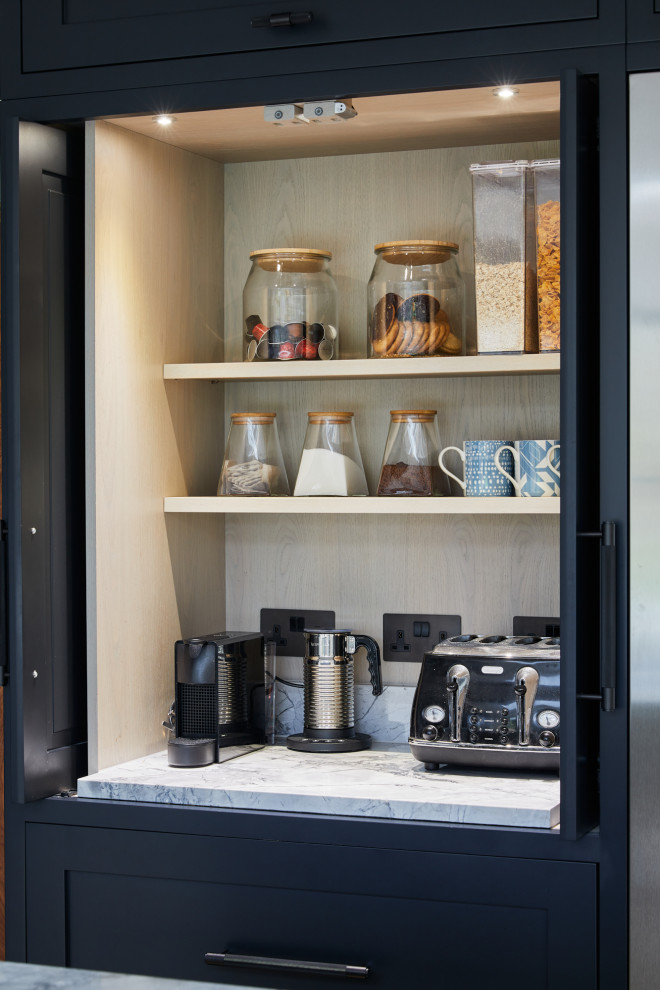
555, 446
461, 454
516, 456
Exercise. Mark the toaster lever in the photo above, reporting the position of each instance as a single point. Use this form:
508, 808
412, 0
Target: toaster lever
527, 682
458, 678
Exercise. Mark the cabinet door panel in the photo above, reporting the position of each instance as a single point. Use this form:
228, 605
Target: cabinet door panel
643, 20
83, 33
156, 903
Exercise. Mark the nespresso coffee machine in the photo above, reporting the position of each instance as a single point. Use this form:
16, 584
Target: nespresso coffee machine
488, 701
214, 676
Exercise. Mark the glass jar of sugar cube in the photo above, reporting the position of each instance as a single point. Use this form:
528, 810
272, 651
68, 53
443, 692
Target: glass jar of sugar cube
330, 463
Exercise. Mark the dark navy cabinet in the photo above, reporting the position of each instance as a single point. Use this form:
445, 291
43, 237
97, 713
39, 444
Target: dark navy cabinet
56, 47
139, 902
153, 890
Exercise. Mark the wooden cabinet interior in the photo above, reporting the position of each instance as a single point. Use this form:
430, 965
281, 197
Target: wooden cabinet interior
169, 255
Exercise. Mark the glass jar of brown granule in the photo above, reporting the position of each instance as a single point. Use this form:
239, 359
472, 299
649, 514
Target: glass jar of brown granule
410, 463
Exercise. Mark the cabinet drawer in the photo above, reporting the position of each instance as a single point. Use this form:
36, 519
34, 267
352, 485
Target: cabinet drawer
155, 904
82, 33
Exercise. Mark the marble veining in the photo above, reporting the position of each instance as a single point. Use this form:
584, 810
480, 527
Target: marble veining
386, 718
382, 782
28, 976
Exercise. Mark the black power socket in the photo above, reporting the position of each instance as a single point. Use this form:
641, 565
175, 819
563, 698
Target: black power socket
285, 626
407, 637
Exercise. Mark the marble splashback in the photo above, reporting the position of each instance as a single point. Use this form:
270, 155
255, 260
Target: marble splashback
382, 782
386, 718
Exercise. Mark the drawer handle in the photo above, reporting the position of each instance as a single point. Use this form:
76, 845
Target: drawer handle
282, 20
287, 965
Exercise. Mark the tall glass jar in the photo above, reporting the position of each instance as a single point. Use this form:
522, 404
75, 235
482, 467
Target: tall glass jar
331, 463
253, 463
416, 300
290, 306
547, 210
410, 463
504, 257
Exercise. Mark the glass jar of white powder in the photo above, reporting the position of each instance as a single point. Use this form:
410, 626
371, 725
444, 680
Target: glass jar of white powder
331, 463
504, 258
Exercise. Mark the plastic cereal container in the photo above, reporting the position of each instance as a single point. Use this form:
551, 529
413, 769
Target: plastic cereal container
546, 211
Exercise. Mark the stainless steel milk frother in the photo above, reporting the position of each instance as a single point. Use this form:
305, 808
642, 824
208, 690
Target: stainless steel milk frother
328, 674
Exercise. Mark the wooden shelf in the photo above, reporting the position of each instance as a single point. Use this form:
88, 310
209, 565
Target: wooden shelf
369, 505
427, 367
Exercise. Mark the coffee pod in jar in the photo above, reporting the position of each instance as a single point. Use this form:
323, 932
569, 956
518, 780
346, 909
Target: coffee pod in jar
290, 300
330, 463
410, 462
416, 300
253, 463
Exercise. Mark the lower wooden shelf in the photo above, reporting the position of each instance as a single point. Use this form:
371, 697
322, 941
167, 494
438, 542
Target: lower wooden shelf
368, 505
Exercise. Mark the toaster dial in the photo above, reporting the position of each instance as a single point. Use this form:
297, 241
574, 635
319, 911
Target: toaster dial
434, 713
548, 719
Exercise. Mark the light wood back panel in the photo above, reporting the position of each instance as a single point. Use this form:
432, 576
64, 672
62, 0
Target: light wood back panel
487, 570
155, 264
348, 204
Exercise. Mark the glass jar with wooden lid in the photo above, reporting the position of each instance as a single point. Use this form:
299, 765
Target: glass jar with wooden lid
416, 300
253, 463
331, 463
410, 462
290, 306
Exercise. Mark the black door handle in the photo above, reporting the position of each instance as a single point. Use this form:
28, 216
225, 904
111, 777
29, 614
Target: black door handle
288, 965
608, 617
607, 696
282, 20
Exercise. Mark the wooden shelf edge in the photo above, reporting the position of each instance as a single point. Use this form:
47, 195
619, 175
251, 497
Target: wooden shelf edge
369, 505
480, 364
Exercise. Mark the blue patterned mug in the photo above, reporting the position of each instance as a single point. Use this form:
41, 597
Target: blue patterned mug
536, 467
483, 477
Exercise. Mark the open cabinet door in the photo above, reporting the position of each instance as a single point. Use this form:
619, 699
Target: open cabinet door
47, 663
580, 484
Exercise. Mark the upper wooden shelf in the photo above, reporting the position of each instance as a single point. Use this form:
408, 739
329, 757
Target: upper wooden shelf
366, 505
423, 367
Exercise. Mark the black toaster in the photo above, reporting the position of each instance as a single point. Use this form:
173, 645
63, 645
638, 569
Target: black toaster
488, 701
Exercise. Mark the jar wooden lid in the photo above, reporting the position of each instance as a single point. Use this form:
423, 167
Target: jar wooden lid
252, 417
416, 415
330, 417
416, 252
304, 260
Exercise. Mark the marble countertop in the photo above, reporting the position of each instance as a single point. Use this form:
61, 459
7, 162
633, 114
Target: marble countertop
382, 782
27, 976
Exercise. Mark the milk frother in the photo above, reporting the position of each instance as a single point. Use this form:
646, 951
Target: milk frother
328, 675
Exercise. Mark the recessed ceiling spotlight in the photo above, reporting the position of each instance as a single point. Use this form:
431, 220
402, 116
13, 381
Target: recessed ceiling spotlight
164, 119
505, 92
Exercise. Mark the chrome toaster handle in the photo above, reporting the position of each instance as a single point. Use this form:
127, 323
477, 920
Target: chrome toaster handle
527, 683
458, 679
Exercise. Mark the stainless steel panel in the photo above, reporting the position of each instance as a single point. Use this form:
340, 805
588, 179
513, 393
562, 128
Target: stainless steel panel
644, 530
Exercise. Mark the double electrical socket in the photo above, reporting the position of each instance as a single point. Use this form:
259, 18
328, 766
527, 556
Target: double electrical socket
408, 636
285, 627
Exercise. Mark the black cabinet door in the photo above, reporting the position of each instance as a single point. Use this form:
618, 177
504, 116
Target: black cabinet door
44, 460
82, 33
154, 903
643, 18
